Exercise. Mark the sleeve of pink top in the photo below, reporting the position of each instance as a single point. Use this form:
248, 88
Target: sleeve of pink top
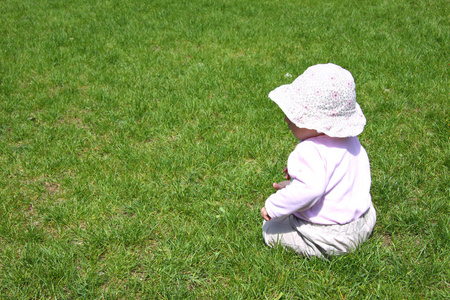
308, 183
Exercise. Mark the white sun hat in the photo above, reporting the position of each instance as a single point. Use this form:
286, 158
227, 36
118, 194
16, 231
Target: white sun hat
323, 98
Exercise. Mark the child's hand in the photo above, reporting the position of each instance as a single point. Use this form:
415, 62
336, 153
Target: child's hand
281, 185
264, 214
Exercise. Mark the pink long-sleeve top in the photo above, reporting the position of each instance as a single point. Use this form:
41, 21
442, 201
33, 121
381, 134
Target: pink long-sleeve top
330, 182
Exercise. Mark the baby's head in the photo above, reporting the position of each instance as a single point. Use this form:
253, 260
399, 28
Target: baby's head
323, 99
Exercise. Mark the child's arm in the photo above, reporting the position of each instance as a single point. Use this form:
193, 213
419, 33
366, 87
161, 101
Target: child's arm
307, 186
277, 186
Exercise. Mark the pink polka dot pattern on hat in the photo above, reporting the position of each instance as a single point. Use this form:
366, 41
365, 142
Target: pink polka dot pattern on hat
322, 98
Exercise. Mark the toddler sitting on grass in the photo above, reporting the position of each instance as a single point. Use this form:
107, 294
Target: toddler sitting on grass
325, 208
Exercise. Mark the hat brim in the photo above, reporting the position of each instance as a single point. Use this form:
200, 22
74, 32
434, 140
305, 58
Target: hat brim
339, 126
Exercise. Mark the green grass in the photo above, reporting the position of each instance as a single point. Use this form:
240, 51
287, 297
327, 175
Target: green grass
138, 144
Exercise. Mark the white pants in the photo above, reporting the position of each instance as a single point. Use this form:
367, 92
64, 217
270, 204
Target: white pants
310, 239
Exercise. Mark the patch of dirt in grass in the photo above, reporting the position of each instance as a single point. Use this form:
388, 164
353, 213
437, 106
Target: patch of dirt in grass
51, 188
386, 240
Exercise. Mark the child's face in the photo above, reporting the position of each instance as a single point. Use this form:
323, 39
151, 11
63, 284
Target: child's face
301, 133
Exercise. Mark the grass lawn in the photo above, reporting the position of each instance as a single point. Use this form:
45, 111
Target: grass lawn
138, 144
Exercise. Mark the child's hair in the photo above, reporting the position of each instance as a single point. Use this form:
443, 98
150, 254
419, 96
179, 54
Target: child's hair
323, 98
